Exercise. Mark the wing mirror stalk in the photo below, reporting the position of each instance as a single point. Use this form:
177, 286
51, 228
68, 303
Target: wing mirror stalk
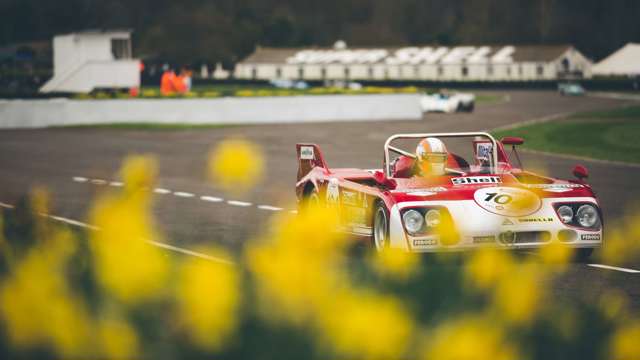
580, 172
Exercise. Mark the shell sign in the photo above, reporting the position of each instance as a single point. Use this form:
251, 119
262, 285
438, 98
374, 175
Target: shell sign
407, 56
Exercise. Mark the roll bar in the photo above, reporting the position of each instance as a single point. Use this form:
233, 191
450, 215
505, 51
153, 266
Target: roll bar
388, 147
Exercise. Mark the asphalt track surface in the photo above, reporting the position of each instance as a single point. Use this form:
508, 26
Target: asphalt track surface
76, 164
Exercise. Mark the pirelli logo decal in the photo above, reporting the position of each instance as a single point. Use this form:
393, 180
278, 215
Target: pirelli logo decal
468, 180
591, 237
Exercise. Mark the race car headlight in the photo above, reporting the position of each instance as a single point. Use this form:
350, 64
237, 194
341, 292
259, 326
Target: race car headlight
579, 214
433, 218
587, 216
566, 213
413, 221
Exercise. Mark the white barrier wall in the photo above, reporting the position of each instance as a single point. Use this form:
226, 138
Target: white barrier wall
296, 109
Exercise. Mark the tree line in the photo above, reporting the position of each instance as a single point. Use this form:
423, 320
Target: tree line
209, 31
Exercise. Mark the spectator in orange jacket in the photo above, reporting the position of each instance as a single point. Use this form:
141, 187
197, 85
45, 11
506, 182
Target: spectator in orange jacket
167, 82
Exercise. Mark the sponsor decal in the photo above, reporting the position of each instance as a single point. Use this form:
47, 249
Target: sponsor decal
507, 222
333, 191
424, 242
484, 150
484, 239
556, 188
536, 220
476, 180
349, 198
306, 153
592, 237
507, 201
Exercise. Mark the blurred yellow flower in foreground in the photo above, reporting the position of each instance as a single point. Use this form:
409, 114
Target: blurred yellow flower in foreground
486, 266
37, 305
126, 265
614, 304
469, 338
301, 277
623, 240
236, 165
118, 339
518, 294
556, 253
366, 325
625, 343
395, 263
296, 265
208, 297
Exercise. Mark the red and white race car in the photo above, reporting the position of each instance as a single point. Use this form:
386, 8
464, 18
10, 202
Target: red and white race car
483, 200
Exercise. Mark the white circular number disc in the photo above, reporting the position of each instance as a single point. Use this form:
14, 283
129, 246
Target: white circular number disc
507, 201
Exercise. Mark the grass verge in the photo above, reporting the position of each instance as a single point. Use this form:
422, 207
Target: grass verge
607, 135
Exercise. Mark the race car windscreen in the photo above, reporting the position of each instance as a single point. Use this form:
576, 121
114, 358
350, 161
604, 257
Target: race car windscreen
467, 154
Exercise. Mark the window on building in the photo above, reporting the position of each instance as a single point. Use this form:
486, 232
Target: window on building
370, 72
323, 73
490, 70
416, 72
278, 73
520, 71
440, 71
465, 71
121, 48
508, 71
386, 73
346, 72
300, 72
254, 73
540, 70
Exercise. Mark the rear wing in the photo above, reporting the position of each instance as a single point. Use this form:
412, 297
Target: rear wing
309, 156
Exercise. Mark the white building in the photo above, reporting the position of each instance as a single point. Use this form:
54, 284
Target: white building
93, 59
624, 62
427, 63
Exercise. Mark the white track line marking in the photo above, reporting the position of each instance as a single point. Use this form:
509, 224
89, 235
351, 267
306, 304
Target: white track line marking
238, 203
80, 179
71, 222
211, 199
270, 208
189, 252
183, 194
161, 191
99, 182
608, 267
154, 243
7, 206
115, 183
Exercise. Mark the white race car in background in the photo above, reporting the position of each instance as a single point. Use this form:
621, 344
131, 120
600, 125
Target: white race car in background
447, 102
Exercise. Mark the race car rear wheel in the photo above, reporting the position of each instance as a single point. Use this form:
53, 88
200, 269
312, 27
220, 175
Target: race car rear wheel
381, 227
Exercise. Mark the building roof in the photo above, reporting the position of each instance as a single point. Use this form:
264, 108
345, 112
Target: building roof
625, 62
409, 55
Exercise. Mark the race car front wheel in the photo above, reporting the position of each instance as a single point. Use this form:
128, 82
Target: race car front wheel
381, 228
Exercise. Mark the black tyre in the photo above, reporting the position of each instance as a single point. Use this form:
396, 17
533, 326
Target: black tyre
381, 227
583, 255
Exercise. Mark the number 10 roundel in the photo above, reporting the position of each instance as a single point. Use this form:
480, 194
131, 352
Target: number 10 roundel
507, 201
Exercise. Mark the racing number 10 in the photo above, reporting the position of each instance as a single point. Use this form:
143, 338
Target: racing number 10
501, 199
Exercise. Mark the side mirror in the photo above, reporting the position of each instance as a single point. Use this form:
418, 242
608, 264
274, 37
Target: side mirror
512, 140
383, 180
580, 172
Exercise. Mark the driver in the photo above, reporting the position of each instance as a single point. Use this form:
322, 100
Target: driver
431, 155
